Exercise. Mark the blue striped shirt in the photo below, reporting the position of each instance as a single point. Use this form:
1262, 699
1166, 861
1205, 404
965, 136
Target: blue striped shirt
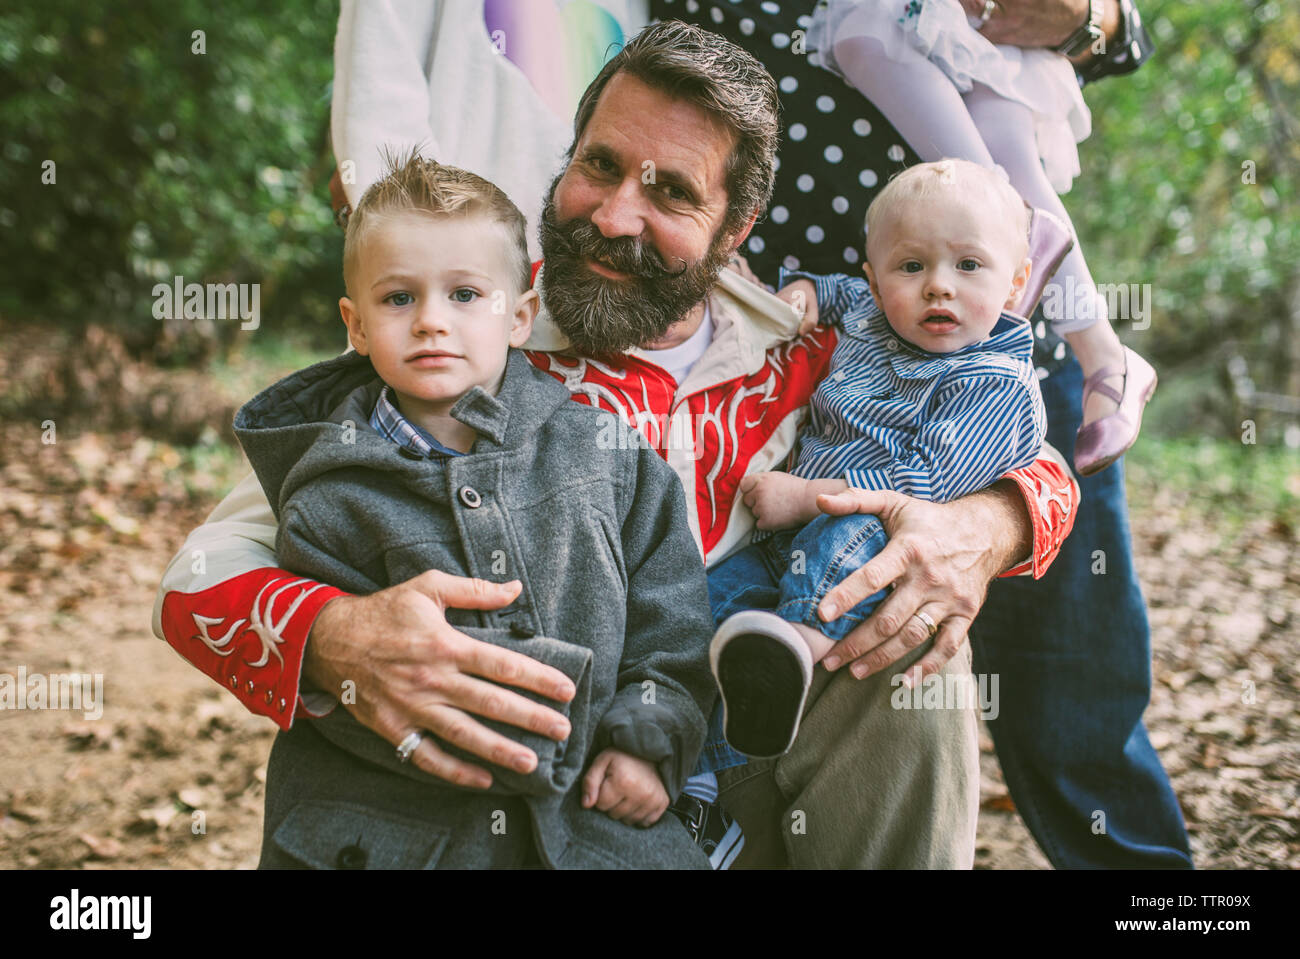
890, 415
389, 423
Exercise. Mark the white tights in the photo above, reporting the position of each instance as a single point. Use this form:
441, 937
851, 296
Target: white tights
981, 126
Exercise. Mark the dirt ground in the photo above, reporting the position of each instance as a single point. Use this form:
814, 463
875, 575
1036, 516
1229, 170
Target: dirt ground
87, 524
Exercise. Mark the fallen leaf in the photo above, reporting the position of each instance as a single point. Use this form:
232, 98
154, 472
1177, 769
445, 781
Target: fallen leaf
105, 848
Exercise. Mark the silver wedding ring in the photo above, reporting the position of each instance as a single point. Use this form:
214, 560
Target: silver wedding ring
930, 626
987, 15
407, 746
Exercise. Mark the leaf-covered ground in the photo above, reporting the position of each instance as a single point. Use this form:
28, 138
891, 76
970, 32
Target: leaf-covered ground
88, 522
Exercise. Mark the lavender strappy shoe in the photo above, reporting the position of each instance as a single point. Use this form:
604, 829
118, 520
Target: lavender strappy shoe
1101, 443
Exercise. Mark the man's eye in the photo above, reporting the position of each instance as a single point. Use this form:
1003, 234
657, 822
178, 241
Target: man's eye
675, 193
399, 299
968, 265
600, 164
464, 295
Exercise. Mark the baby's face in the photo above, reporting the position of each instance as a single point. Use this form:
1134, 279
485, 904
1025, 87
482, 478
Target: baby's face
942, 270
435, 308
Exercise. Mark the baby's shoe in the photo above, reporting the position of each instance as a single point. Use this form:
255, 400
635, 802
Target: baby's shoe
1102, 442
763, 668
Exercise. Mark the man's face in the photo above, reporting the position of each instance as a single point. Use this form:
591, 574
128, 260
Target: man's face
631, 230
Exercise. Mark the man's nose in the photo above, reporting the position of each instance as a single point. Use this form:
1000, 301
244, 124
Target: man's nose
621, 211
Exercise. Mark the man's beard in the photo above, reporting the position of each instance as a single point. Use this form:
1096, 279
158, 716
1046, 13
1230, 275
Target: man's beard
600, 316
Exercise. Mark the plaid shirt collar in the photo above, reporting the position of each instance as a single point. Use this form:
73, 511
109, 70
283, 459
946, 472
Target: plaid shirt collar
389, 423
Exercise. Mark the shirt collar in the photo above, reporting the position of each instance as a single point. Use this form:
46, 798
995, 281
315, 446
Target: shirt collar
389, 423
1011, 335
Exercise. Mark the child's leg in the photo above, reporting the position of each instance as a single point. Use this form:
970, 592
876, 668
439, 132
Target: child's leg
822, 555
1078, 312
916, 97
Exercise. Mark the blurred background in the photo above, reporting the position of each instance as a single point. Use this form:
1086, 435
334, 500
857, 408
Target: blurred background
114, 424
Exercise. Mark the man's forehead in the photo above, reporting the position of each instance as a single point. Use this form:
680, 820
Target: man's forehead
640, 123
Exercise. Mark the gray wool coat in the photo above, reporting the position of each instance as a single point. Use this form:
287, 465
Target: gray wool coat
553, 493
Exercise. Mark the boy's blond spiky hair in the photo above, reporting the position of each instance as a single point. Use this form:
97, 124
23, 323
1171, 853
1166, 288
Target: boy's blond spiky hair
961, 177
416, 185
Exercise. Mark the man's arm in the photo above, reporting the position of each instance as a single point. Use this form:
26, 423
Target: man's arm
257, 629
226, 608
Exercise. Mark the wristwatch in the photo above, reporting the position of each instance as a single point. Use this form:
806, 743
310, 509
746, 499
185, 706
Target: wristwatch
1086, 35
1131, 48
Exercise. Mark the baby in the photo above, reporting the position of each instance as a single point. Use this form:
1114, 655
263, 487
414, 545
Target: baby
437, 445
931, 392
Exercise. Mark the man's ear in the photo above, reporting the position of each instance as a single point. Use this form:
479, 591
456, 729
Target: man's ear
740, 237
1018, 282
525, 312
356, 329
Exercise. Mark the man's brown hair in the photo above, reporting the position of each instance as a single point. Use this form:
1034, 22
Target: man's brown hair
689, 63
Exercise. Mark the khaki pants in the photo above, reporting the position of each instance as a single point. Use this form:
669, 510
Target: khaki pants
865, 785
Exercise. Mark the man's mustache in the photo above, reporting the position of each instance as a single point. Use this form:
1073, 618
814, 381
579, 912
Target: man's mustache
630, 255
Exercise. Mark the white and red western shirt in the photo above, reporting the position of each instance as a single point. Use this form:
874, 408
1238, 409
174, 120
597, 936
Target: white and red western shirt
227, 608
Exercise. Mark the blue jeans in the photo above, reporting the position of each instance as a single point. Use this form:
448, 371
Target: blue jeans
789, 573
1073, 655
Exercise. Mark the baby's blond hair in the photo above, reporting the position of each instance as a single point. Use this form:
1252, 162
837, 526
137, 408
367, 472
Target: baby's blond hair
959, 178
413, 184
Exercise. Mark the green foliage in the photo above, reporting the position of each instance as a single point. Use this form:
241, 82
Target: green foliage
1233, 483
1191, 183
167, 161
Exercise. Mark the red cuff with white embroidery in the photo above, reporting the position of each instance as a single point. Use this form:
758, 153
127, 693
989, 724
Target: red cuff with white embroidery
1051, 496
248, 633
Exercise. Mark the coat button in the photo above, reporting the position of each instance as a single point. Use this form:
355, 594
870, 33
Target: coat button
469, 496
521, 630
351, 857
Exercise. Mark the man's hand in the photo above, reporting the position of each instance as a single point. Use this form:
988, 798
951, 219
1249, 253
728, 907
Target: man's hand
802, 297
940, 559
413, 671
1039, 23
625, 788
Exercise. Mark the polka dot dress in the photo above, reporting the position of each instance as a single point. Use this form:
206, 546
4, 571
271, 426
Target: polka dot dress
837, 150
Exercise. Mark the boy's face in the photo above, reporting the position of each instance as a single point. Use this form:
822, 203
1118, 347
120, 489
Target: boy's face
942, 271
435, 308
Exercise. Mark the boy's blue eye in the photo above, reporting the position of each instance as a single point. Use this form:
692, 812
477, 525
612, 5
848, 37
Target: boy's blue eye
399, 299
969, 265
468, 295
911, 266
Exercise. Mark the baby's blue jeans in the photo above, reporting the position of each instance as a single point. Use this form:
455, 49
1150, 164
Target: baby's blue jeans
789, 573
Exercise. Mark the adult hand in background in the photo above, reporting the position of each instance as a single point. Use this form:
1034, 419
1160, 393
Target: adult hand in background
1039, 23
